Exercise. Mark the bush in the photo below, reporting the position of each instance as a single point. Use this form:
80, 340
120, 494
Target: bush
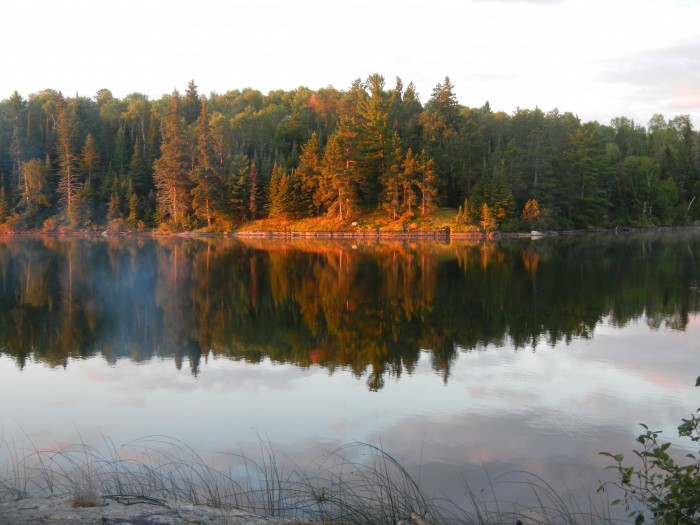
661, 489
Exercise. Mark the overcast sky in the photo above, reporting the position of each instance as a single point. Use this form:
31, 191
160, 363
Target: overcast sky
596, 58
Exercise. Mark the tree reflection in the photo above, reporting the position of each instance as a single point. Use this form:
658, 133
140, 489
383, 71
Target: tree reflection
370, 307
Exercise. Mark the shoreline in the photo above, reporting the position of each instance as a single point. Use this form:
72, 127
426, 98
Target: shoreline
60, 509
440, 234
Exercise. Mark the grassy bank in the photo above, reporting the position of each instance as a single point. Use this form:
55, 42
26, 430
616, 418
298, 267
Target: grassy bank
355, 484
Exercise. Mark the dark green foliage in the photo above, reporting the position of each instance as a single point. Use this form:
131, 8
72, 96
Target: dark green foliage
662, 489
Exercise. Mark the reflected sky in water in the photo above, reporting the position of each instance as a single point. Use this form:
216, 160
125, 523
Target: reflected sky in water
488, 408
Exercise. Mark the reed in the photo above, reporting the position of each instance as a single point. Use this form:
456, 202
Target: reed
356, 484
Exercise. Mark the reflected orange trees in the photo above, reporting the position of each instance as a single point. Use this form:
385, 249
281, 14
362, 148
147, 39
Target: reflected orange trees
371, 307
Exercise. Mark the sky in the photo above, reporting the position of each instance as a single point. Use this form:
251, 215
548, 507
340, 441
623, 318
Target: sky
598, 59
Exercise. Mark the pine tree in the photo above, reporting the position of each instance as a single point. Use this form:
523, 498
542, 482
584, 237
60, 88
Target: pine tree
120, 157
191, 104
133, 205
114, 211
68, 180
171, 170
444, 104
410, 175
493, 190
426, 182
586, 172
204, 172
392, 180
278, 193
153, 139
254, 200
238, 190
89, 159
309, 173
140, 171
373, 140
337, 190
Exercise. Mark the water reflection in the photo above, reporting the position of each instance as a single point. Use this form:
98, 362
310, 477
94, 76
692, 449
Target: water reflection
369, 308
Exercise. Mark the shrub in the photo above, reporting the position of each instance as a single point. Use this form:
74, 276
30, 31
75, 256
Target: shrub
661, 488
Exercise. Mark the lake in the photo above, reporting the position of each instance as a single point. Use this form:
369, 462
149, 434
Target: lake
467, 362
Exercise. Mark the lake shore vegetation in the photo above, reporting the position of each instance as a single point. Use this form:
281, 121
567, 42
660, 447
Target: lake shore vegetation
369, 156
355, 484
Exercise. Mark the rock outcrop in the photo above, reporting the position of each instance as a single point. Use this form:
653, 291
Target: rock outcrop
123, 511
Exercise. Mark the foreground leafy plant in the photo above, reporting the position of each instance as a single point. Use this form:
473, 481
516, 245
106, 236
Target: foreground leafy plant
661, 489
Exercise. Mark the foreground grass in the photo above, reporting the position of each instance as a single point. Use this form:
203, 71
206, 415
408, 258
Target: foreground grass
356, 484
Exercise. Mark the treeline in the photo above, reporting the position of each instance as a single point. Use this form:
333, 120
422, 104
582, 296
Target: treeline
191, 161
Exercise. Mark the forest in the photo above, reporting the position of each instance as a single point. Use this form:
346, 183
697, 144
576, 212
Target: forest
219, 162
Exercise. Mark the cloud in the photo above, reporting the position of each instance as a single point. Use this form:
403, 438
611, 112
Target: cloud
534, 2
667, 77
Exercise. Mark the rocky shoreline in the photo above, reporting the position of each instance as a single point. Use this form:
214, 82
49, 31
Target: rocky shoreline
123, 510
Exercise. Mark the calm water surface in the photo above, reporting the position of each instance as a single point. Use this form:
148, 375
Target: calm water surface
464, 361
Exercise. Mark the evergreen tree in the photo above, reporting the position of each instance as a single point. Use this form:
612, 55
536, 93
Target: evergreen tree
426, 184
153, 138
191, 104
372, 140
453, 141
587, 175
309, 173
114, 211
238, 189
68, 178
392, 181
204, 172
284, 194
493, 189
255, 187
404, 115
337, 189
133, 205
140, 171
171, 170
120, 157
89, 159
